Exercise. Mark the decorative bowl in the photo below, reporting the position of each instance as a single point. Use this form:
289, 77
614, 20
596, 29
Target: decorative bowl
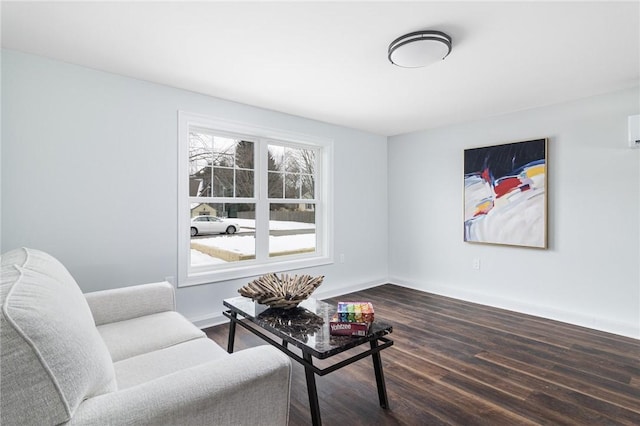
285, 291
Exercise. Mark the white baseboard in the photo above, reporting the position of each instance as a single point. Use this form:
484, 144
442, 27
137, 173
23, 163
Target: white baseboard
349, 289
216, 318
603, 324
210, 320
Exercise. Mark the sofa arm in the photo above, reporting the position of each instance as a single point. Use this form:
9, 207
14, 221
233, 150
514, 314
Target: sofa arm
131, 302
250, 387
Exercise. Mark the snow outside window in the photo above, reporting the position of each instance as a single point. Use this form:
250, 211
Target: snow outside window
251, 200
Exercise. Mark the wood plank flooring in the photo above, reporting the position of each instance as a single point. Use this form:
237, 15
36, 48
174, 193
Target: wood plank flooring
459, 363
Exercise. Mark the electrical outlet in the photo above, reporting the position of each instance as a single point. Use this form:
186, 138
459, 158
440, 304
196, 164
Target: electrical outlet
341, 257
476, 264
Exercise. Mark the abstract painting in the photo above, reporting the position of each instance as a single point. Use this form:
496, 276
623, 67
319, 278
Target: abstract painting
505, 194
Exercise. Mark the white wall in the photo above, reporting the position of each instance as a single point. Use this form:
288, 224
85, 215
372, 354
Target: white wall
89, 163
590, 275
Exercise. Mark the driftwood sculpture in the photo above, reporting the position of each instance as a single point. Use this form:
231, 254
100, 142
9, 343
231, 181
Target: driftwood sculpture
284, 292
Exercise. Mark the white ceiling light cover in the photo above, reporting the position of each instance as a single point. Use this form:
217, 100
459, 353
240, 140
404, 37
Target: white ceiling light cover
419, 49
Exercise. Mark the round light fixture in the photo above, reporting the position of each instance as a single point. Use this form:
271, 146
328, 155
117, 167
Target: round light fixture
419, 49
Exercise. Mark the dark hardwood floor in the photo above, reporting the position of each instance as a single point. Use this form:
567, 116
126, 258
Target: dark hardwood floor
460, 363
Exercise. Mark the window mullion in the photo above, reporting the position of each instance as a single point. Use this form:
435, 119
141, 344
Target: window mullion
262, 205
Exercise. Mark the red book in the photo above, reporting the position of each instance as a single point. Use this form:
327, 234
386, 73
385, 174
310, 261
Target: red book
347, 328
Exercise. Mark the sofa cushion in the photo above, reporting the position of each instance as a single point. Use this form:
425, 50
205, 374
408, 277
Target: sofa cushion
52, 354
146, 334
149, 366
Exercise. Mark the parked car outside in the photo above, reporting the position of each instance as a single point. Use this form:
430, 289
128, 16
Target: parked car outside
212, 225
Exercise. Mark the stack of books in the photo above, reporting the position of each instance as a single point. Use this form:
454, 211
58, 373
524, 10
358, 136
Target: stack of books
352, 319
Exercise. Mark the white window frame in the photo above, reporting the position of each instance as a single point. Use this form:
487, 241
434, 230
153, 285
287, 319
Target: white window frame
261, 136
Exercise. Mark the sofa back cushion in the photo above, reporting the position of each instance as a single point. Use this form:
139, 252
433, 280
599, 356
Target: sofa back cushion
52, 354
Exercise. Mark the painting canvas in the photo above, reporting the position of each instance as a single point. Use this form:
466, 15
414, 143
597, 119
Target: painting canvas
505, 194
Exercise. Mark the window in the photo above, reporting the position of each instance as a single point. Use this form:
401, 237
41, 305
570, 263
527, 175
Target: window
252, 200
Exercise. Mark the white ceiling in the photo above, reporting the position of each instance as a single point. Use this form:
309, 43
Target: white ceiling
328, 60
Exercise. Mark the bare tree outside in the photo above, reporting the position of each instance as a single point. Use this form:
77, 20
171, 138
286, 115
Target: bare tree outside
292, 172
220, 167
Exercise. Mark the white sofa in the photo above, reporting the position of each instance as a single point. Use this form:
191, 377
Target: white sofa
121, 357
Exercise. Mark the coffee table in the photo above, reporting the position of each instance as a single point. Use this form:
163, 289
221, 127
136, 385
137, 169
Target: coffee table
307, 328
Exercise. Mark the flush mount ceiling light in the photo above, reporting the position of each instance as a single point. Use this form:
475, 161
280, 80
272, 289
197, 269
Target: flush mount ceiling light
419, 49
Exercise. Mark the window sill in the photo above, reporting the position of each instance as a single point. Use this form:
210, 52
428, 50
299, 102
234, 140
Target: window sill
248, 271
